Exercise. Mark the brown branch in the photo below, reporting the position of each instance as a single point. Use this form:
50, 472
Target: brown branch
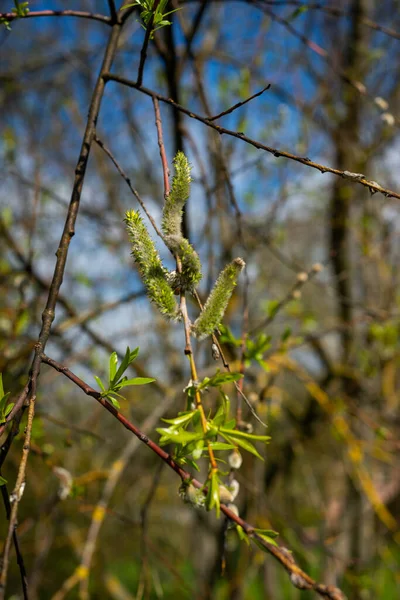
239, 104
298, 577
359, 178
16, 497
62, 254
143, 52
161, 146
20, 559
128, 182
58, 13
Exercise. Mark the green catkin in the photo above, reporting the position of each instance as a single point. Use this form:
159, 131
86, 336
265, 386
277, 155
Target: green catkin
190, 261
216, 304
150, 266
176, 199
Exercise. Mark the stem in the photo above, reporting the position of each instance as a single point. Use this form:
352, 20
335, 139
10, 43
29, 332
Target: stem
193, 372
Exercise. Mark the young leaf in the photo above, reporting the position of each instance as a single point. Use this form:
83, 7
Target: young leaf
242, 535
2, 481
242, 443
113, 366
135, 381
100, 384
212, 498
113, 401
181, 418
266, 538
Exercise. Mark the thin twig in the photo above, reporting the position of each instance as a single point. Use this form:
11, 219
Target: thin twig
293, 293
359, 178
161, 146
239, 104
298, 577
128, 182
58, 13
20, 559
16, 496
113, 10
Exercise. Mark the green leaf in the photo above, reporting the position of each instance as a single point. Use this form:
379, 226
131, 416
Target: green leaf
221, 378
268, 532
2, 480
135, 381
178, 436
198, 450
266, 538
127, 360
99, 383
1, 386
249, 436
8, 409
113, 366
181, 418
212, 498
113, 401
221, 446
297, 12
242, 535
243, 444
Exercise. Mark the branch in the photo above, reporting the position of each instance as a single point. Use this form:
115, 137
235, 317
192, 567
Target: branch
161, 146
239, 104
58, 13
120, 170
62, 253
373, 186
298, 577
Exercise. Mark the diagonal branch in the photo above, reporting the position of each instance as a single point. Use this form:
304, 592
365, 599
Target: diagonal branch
239, 104
298, 577
373, 186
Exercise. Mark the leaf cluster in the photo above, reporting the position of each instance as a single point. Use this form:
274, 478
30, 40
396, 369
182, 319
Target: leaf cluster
191, 442
117, 380
148, 13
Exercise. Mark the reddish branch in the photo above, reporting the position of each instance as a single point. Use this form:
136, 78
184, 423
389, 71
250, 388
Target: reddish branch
298, 577
373, 186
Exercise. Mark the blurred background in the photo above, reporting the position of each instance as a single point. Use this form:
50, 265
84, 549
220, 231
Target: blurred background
325, 370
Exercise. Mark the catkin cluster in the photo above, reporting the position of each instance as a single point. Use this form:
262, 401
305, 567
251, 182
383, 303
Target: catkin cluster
162, 285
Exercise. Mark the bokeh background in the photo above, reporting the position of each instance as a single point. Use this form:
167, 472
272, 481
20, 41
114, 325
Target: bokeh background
326, 378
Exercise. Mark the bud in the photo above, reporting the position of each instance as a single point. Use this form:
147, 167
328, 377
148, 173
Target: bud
234, 488
235, 459
225, 495
192, 495
317, 268
302, 277
215, 352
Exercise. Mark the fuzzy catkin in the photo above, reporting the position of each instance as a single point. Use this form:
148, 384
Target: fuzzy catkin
150, 266
216, 304
190, 261
176, 199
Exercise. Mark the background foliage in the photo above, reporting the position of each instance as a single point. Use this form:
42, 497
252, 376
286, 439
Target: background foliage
320, 353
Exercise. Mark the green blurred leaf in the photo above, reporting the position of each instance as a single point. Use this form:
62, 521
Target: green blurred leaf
100, 383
